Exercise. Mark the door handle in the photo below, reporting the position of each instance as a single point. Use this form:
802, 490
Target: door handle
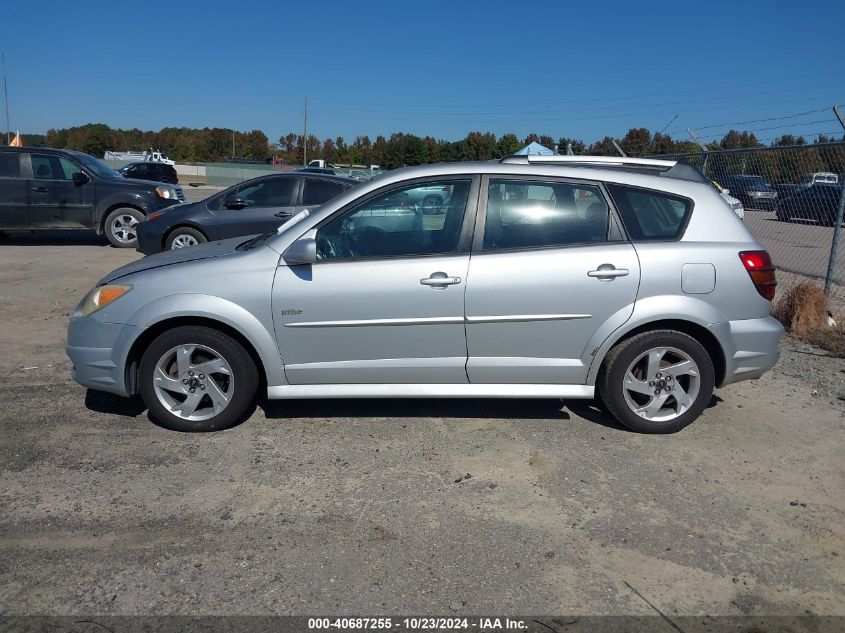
40, 189
608, 272
440, 279
283, 214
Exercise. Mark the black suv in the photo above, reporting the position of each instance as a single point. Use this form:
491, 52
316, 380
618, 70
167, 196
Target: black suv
43, 188
150, 171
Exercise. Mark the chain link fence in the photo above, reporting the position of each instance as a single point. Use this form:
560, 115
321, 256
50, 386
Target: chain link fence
791, 196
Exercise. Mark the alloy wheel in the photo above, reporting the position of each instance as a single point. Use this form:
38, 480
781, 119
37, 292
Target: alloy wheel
124, 227
661, 384
193, 382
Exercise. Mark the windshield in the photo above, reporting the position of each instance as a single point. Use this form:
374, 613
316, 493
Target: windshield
92, 164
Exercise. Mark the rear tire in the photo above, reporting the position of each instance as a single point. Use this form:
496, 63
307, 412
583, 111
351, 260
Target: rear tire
121, 227
671, 361
196, 378
183, 237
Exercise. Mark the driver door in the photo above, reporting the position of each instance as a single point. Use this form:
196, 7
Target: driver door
384, 303
258, 206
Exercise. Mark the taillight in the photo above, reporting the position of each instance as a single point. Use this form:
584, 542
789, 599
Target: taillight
762, 272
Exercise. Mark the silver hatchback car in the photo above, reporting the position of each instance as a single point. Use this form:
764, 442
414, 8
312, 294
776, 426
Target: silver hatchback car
629, 281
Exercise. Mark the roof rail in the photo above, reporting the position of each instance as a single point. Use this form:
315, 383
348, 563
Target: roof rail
665, 168
602, 161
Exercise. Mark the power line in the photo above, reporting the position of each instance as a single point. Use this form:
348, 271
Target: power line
776, 118
720, 88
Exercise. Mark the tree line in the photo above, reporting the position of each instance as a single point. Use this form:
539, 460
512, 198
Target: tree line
397, 150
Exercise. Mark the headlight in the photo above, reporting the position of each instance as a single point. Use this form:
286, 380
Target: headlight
167, 193
100, 297
755, 194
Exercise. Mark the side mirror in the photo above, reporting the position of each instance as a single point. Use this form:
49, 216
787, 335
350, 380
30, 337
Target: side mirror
80, 178
235, 202
302, 251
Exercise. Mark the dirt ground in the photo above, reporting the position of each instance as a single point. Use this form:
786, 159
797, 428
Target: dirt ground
429, 506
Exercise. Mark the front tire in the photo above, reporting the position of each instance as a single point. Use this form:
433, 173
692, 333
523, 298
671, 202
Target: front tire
195, 378
121, 227
183, 237
657, 381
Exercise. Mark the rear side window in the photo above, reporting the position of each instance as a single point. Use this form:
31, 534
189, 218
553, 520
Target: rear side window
530, 214
651, 215
318, 191
9, 166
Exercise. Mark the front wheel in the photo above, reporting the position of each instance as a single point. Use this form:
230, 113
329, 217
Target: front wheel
658, 381
195, 378
183, 237
121, 227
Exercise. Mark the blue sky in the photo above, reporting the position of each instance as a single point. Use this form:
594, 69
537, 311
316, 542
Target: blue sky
576, 69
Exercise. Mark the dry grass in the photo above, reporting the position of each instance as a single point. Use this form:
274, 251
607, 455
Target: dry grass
804, 311
802, 308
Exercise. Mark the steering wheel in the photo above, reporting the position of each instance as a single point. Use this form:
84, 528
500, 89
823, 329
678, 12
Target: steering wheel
367, 237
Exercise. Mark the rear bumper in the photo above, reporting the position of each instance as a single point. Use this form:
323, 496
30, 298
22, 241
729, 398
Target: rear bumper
98, 352
751, 347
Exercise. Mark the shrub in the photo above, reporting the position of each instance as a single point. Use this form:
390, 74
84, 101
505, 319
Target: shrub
802, 309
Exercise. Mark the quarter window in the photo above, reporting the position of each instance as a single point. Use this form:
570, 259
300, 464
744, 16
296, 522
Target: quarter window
650, 215
410, 221
529, 214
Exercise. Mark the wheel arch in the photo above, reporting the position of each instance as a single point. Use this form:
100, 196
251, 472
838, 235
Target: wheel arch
143, 341
699, 332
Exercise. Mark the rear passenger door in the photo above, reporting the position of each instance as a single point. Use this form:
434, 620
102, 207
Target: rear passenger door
316, 191
14, 192
549, 269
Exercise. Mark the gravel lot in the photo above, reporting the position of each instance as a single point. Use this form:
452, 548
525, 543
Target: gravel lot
403, 506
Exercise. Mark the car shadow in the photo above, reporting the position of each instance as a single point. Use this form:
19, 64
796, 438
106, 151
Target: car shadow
103, 402
474, 408
69, 237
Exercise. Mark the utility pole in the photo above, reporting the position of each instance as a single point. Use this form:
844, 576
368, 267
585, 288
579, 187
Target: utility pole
305, 136
837, 224
6, 99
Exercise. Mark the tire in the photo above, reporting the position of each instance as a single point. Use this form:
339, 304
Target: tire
183, 237
121, 227
218, 394
670, 348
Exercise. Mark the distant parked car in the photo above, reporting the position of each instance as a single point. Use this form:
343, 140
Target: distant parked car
158, 172
733, 203
784, 190
753, 191
817, 203
251, 207
821, 177
43, 188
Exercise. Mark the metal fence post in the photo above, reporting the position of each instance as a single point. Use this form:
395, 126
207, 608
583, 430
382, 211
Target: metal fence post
834, 244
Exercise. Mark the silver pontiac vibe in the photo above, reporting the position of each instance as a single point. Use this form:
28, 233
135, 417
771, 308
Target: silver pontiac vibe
629, 281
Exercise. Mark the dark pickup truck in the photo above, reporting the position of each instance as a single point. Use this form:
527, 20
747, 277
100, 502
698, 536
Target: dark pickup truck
43, 188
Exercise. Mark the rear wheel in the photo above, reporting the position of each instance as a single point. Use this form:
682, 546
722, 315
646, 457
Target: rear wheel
195, 378
121, 227
658, 381
183, 237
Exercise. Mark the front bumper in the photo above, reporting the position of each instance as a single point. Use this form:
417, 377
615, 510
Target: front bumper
150, 238
98, 352
751, 347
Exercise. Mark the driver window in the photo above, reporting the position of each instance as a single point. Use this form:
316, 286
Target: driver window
273, 192
422, 219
